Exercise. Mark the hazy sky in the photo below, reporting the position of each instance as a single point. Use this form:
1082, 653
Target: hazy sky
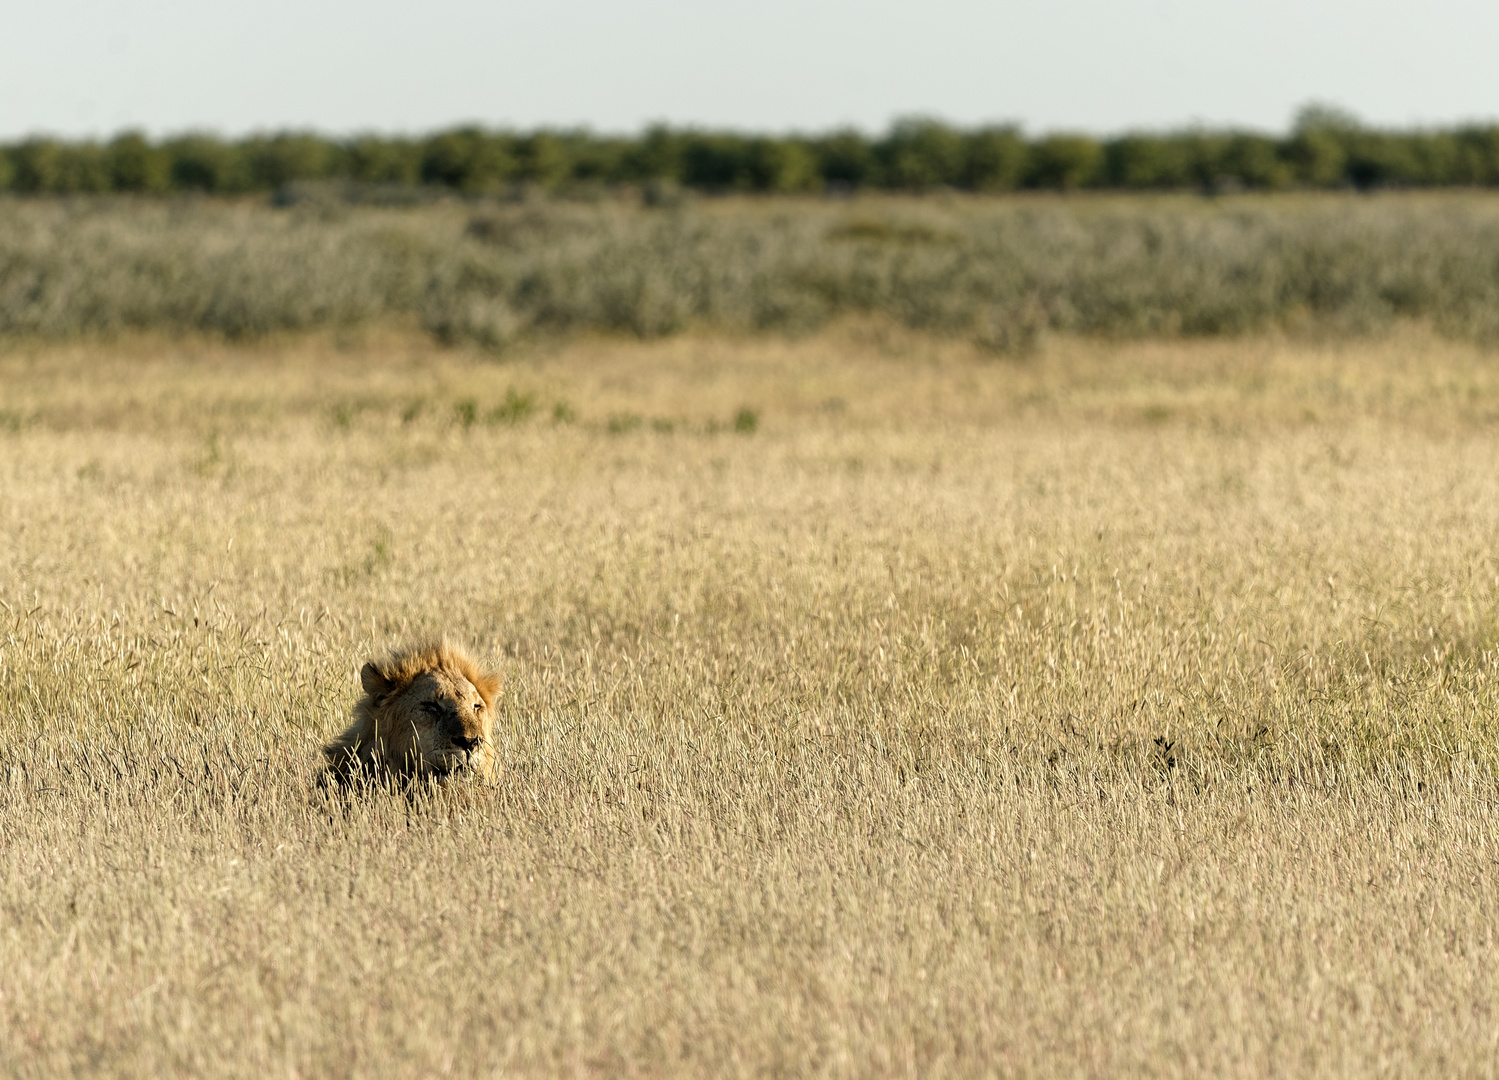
93, 67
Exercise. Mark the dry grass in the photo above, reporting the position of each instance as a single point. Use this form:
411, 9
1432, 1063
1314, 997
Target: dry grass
1004, 273
1126, 710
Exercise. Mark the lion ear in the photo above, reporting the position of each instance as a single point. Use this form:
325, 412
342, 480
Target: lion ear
489, 688
373, 682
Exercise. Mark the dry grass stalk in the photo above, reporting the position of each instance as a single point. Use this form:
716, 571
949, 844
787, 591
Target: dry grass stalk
1128, 710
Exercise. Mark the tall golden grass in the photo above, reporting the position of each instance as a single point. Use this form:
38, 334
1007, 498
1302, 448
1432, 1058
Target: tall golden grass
872, 708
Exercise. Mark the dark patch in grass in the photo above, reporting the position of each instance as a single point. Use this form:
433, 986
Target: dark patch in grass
515, 408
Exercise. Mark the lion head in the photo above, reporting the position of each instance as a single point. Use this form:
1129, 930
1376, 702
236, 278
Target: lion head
427, 711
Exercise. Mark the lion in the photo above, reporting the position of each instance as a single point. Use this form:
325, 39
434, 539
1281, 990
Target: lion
427, 712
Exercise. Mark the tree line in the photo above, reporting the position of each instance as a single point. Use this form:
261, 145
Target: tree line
1324, 149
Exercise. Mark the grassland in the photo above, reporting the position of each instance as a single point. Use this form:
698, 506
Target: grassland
874, 707
999, 272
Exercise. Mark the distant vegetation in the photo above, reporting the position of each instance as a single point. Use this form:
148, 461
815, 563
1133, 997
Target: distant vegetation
1325, 149
1002, 273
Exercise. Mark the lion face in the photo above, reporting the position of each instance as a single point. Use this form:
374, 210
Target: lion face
438, 724
428, 711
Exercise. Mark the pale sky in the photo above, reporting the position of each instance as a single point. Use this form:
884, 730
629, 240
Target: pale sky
94, 67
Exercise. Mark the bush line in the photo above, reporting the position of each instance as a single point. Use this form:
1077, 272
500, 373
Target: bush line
1003, 274
1324, 149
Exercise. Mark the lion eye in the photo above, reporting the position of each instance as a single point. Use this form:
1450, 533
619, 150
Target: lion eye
478, 705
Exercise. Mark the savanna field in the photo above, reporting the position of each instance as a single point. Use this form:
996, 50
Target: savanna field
886, 694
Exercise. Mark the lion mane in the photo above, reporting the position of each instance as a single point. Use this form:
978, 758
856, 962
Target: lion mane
427, 711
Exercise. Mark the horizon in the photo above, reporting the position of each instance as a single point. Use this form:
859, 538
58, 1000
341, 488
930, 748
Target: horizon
1348, 117
90, 69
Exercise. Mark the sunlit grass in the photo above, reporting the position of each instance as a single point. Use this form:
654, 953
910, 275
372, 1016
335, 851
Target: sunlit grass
872, 707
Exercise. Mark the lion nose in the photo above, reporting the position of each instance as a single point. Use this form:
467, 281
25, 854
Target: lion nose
465, 744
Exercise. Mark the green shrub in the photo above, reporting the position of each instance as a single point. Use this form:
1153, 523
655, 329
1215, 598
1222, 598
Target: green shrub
844, 158
1254, 162
466, 159
542, 159
1326, 148
1147, 161
135, 165
36, 166
84, 170
994, 159
1064, 162
204, 163
713, 162
780, 165
284, 159
515, 408
656, 155
374, 160
1318, 158
918, 154
1477, 156
593, 159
